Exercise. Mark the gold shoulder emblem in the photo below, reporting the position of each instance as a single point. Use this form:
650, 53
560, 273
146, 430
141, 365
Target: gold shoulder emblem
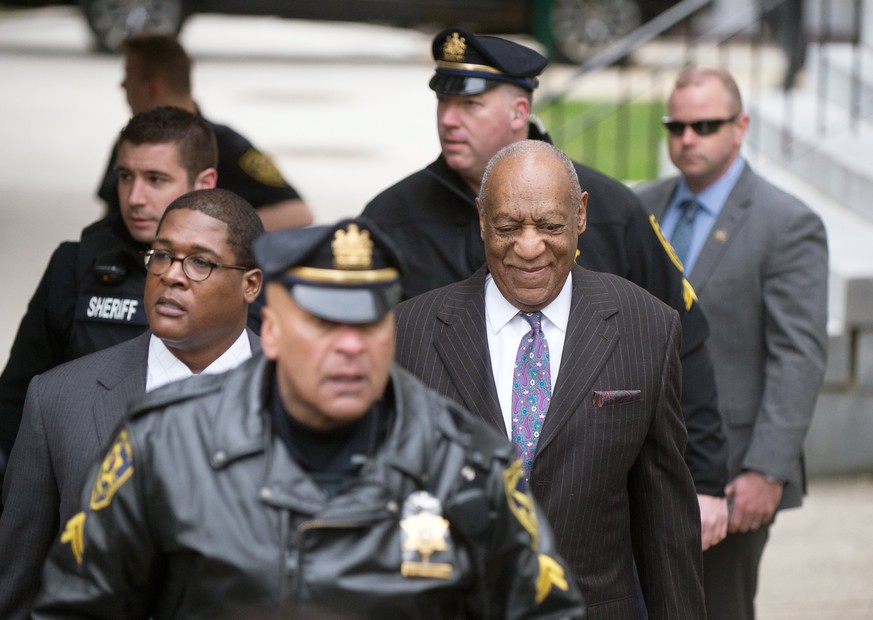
116, 468
74, 533
261, 168
551, 575
520, 502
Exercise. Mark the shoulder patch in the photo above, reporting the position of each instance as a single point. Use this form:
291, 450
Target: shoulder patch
261, 168
116, 469
688, 293
520, 501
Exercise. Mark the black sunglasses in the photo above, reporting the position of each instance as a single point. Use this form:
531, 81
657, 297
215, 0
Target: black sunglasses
701, 128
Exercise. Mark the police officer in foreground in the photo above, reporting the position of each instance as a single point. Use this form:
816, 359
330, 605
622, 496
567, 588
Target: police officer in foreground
91, 294
484, 88
315, 474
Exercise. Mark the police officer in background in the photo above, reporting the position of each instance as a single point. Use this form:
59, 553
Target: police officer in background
157, 72
91, 294
317, 473
484, 87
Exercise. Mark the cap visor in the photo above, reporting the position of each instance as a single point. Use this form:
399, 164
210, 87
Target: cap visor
449, 84
352, 305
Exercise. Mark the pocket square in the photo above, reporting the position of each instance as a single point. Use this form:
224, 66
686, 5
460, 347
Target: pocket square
606, 398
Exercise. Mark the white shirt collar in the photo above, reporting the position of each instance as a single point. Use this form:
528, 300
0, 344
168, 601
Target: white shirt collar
499, 311
164, 367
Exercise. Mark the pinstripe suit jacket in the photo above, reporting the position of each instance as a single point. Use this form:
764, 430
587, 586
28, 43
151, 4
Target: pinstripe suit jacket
70, 415
762, 280
611, 479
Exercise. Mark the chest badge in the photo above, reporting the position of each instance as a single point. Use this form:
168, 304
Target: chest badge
425, 541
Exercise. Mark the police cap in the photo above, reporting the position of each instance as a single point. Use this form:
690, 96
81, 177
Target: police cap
348, 273
467, 64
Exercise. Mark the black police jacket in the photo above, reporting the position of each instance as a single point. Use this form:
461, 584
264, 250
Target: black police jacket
198, 510
90, 298
431, 216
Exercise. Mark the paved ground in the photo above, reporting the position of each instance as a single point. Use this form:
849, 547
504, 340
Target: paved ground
346, 111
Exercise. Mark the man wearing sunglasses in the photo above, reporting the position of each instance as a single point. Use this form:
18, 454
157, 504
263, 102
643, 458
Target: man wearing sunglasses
758, 259
201, 279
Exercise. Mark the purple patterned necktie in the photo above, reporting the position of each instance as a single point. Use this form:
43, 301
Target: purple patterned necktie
531, 390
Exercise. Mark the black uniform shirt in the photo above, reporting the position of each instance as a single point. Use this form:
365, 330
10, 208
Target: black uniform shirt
90, 298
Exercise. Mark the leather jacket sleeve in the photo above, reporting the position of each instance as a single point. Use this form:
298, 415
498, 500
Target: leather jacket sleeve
104, 564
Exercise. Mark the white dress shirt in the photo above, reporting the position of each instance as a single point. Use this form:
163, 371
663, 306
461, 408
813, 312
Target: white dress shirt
505, 328
164, 367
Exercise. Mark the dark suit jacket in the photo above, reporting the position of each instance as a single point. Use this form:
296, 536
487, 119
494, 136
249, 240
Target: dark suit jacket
612, 479
70, 415
762, 281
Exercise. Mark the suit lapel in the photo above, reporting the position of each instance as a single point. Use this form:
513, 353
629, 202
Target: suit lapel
462, 345
659, 197
589, 342
724, 231
122, 378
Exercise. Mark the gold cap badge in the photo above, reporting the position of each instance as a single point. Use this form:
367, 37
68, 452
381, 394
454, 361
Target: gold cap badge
454, 48
352, 249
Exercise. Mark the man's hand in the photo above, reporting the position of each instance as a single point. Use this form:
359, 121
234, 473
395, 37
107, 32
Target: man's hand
713, 519
755, 500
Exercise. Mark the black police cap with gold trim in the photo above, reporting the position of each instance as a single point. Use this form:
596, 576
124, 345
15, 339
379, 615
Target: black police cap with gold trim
467, 64
348, 273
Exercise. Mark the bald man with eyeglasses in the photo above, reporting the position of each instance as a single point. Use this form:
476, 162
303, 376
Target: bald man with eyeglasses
201, 279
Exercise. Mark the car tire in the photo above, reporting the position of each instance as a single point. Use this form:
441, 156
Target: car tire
580, 28
112, 21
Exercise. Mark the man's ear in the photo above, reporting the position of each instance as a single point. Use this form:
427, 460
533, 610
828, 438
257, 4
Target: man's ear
583, 213
269, 332
481, 219
206, 179
520, 112
253, 279
157, 91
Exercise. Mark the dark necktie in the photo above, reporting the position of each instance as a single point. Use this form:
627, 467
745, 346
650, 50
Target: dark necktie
531, 390
684, 231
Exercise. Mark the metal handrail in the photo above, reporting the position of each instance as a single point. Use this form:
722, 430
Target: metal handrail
633, 41
745, 24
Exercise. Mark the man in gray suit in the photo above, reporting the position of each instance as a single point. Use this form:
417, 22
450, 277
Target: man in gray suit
201, 279
599, 429
758, 259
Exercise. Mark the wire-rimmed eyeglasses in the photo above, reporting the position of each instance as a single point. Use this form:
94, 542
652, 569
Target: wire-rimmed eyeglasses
196, 267
704, 127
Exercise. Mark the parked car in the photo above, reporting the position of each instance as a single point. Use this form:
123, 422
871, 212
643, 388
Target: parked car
570, 29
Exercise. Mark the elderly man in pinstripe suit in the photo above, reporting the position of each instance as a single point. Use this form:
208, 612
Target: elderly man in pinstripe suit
603, 450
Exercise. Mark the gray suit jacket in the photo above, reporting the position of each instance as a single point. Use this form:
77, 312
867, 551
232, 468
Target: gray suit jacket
762, 281
70, 415
610, 478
